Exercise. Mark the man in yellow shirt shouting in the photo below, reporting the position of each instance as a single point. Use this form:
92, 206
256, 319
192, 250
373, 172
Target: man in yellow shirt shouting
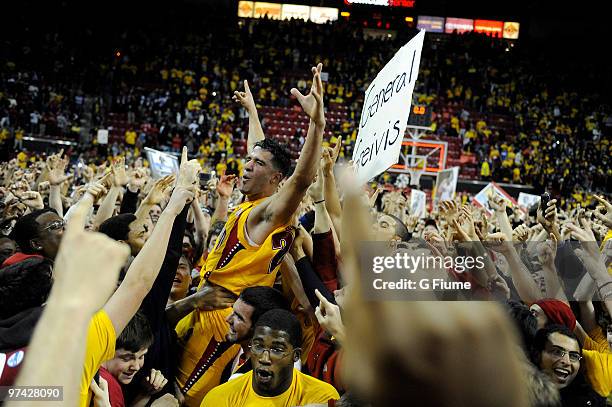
273, 381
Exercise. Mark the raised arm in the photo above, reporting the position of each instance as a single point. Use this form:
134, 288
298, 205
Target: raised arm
202, 222
498, 204
524, 283
255, 130
94, 192
466, 231
323, 223
143, 271
224, 189
107, 207
332, 200
56, 166
592, 260
278, 209
547, 217
546, 256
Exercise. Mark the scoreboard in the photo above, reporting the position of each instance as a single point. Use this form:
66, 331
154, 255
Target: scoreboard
420, 115
389, 3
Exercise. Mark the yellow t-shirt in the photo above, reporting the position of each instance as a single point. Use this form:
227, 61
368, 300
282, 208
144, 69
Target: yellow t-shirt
485, 171
599, 371
239, 392
22, 159
220, 168
101, 339
598, 362
596, 340
130, 137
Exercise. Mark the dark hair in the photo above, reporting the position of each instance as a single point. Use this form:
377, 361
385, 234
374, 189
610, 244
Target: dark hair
281, 158
431, 222
194, 253
24, 285
215, 229
136, 335
282, 320
525, 321
117, 227
187, 259
263, 299
189, 235
400, 229
349, 399
27, 228
541, 338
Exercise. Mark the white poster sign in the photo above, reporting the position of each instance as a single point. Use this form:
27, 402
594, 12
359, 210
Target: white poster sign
102, 136
161, 163
418, 203
492, 189
526, 201
385, 112
446, 184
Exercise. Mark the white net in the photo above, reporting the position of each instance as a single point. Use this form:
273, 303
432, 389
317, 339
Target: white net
416, 170
415, 175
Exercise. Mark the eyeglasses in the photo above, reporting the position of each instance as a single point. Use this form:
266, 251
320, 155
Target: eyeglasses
559, 353
275, 353
55, 225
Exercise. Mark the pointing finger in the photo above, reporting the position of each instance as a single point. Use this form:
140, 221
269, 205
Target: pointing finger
184, 157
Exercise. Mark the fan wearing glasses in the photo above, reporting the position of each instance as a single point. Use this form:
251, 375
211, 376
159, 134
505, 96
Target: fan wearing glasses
557, 353
273, 381
39, 232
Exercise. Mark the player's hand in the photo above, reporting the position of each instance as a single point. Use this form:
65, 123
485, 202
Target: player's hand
312, 104
245, 98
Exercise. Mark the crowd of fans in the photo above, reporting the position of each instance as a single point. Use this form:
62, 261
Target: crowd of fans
519, 119
249, 288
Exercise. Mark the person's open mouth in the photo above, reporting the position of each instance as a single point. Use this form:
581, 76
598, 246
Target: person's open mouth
263, 376
129, 376
561, 374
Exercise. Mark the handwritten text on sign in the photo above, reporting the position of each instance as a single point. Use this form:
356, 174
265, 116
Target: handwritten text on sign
385, 112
